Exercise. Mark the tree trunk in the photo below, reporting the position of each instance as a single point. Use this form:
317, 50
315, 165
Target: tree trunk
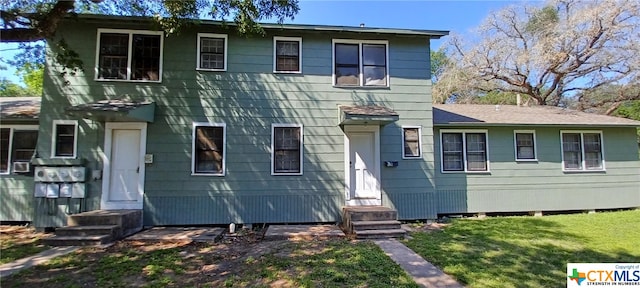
613, 108
44, 27
20, 35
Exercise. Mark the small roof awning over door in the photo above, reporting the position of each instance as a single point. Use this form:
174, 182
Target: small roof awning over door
366, 115
115, 110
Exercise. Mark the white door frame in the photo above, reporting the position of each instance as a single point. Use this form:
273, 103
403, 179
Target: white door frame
106, 160
347, 166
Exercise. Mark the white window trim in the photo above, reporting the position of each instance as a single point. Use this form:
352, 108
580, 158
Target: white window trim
130, 32
193, 148
55, 134
360, 62
226, 50
464, 150
419, 141
12, 129
286, 125
275, 55
584, 167
535, 145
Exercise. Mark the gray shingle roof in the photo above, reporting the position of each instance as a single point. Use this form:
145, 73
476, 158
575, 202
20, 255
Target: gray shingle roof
368, 110
110, 105
471, 114
23, 108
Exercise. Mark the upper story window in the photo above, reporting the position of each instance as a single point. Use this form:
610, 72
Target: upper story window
360, 63
65, 140
209, 149
525, 145
129, 55
411, 139
212, 52
287, 56
464, 151
17, 144
582, 151
286, 149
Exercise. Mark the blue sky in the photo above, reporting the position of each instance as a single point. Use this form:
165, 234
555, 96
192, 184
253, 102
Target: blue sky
454, 16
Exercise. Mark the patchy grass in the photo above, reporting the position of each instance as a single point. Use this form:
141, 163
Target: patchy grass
529, 251
330, 263
17, 242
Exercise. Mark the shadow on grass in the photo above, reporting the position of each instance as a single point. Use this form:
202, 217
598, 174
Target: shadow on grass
510, 252
331, 263
12, 251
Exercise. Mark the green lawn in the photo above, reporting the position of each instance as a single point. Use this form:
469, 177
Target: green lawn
330, 263
529, 251
17, 242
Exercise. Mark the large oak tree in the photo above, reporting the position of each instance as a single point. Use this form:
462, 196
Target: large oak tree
32, 20
560, 52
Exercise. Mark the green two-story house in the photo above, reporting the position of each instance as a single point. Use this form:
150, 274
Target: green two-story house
211, 127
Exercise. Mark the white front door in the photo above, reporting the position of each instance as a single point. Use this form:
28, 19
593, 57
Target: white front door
123, 179
363, 167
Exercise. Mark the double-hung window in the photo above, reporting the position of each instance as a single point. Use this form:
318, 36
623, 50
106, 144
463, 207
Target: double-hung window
360, 63
287, 56
209, 149
582, 151
411, 142
129, 55
525, 145
17, 144
286, 149
212, 52
464, 151
65, 140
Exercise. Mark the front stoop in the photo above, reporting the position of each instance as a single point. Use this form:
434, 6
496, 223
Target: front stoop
97, 227
371, 222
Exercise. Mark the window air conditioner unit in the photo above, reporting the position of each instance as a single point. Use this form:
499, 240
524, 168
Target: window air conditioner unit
21, 167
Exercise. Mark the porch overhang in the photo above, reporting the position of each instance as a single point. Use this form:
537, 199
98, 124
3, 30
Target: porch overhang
115, 110
366, 115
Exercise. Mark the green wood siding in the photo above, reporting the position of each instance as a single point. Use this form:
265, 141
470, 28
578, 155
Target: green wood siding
16, 198
248, 97
542, 186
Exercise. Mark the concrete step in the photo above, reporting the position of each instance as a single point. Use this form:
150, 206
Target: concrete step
379, 234
376, 225
93, 230
370, 214
129, 221
78, 240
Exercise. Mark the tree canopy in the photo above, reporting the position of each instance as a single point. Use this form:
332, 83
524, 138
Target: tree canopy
33, 20
563, 51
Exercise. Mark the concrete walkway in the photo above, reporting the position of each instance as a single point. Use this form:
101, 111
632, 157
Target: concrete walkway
44, 256
423, 272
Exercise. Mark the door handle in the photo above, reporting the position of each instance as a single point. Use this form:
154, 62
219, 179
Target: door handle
138, 169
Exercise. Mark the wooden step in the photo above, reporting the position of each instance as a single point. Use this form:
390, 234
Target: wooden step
78, 240
376, 225
92, 230
380, 234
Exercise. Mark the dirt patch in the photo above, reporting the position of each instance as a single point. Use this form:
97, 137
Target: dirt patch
424, 227
19, 233
158, 263
19, 241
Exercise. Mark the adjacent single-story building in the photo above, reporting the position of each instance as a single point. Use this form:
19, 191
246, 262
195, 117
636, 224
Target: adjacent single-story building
18, 139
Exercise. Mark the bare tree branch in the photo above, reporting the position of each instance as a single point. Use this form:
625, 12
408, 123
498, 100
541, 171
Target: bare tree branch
548, 53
